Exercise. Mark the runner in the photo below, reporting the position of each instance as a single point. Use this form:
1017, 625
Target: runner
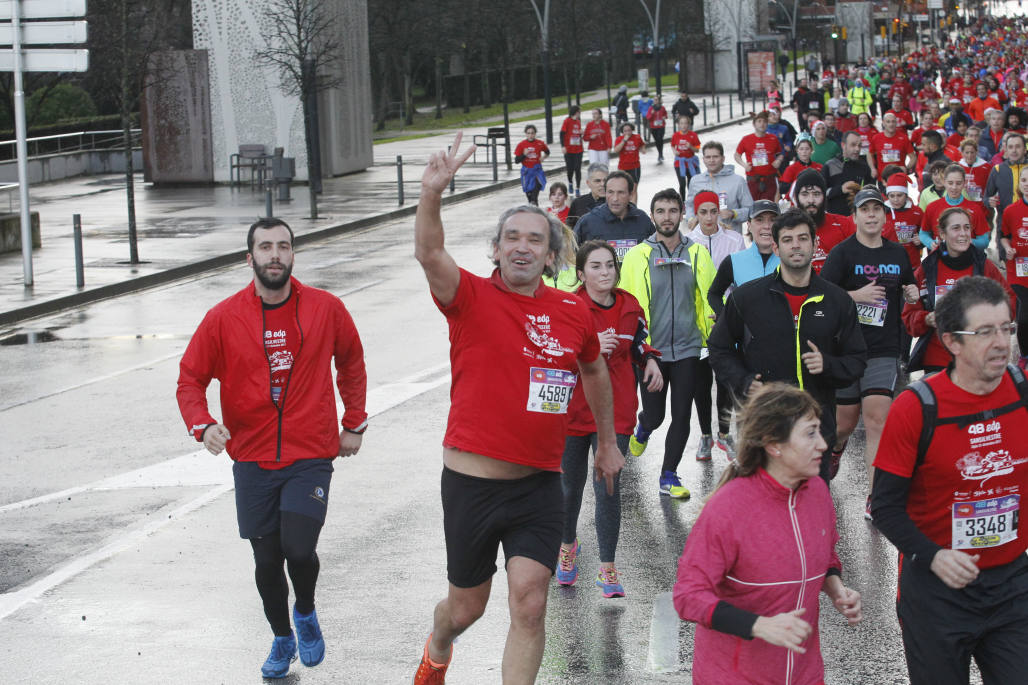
738, 581
271, 347
559, 202
903, 219
804, 149
669, 274
720, 243
760, 155
953, 182
571, 141
866, 130
808, 194
759, 259
936, 171
595, 178
501, 473
936, 276
597, 132
685, 145
891, 146
878, 276
824, 146
733, 194
845, 175
1014, 238
530, 154
976, 171
947, 493
628, 147
1001, 188
617, 221
791, 326
685, 107
621, 326
656, 116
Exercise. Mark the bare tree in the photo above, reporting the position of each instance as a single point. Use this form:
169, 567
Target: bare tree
301, 42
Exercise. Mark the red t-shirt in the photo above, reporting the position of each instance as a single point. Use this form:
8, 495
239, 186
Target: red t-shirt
572, 130
514, 364
979, 222
656, 116
954, 140
680, 142
866, 134
628, 158
832, 231
562, 214
935, 354
975, 178
598, 135
760, 152
890, 150
902, 226
793, 170
1015, 228
845, 123
281, 344
532, 150
795, 303
905, 117
966, 494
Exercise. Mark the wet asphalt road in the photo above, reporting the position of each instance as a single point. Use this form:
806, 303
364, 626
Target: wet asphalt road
120, 555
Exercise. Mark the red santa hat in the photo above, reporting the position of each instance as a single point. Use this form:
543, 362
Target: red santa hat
897, 183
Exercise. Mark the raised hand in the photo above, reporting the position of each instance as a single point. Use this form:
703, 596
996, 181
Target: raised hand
443, 165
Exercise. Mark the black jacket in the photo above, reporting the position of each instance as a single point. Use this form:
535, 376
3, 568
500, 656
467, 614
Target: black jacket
755, 335
838, 172
686, 107
581, 206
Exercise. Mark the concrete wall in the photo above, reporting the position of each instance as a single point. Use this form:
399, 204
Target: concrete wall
10, 232
67, 164
247, 102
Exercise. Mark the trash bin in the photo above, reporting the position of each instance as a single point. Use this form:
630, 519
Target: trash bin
283, 170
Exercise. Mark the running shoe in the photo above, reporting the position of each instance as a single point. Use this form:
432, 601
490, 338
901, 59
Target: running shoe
726, 444
429, 672
283, 653
833, 464
637, 443
567, 565
706, 444
867, 509
308, 633
609, 583
671, 485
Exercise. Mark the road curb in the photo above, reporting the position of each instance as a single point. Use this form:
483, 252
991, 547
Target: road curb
108, 291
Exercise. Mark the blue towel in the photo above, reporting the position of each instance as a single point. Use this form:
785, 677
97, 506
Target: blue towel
532, 178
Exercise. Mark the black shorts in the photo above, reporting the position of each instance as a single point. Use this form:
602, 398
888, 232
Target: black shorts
261, 494
944, 628
525, 514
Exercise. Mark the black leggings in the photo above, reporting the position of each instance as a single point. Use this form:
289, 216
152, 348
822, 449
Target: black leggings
704, 383
575, 466
573, 160
635, 173
658, 139
294, 544
533, 197
1022, 318
680, 378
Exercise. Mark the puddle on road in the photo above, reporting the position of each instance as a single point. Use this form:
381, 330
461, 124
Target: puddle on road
29, 338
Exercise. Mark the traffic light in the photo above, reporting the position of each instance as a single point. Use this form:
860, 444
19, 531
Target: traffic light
835, 31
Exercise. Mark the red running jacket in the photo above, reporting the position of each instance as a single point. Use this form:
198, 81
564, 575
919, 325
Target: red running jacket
229, 346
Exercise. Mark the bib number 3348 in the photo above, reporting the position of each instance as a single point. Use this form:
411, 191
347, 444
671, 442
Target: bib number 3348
986, 523
549, 390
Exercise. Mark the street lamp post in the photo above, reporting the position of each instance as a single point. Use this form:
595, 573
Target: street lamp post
654, 18
544, 31
791, 16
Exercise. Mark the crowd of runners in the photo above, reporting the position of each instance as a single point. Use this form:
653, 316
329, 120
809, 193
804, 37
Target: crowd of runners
869, 264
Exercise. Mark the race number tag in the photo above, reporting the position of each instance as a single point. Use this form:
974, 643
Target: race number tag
575, 140
890, 155
759, 158
986, 523
1021, 266
668, 261
549, 390
621, 247
905, 233
940, 292
872, 314
974, 192
722, 200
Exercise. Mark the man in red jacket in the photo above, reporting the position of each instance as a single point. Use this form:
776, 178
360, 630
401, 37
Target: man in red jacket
270, 346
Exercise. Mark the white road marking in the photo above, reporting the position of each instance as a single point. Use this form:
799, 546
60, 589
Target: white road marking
663, 651
199, 468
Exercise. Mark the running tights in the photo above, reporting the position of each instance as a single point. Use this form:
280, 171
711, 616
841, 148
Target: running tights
294, 544
533, 197
704, 382
573, 160
1022, 318
658, 140
576, 471
680, 381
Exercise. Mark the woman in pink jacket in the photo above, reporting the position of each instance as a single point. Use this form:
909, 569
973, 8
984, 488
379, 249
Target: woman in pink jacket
751, 583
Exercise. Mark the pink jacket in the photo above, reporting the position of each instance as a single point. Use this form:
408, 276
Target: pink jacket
764, 549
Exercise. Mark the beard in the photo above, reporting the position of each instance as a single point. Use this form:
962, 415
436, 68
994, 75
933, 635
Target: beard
272, 282
818, 215
667, 232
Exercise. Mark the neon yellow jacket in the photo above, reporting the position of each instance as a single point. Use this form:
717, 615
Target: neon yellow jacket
860, 99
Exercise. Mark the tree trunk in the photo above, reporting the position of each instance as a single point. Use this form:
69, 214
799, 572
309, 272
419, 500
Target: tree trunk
126, 132
487, 95
438, 87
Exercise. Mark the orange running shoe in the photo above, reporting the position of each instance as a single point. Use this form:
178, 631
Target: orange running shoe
429, 672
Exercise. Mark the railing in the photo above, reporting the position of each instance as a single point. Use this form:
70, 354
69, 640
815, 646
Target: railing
8, 189
70, 142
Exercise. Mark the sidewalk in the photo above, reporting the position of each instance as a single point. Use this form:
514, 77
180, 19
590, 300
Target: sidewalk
184, 231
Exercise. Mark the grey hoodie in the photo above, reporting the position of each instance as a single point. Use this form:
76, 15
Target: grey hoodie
736, 194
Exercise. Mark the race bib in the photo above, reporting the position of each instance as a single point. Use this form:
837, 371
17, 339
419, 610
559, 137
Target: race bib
940, 292
621, 247
986, 523
974, 192
890, 155
722, 200
657, 123
575, 140
864, 147
759, 158
905, 233
549, 390
872, 314
1021, 267
667, 261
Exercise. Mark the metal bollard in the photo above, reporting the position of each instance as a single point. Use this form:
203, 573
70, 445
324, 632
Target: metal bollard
717, 106
496, 169
704, 112
730, 115
399, 178
80, 272
268, 197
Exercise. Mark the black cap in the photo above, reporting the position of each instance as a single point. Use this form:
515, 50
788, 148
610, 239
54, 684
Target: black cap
761, 206
810, 177
867, 194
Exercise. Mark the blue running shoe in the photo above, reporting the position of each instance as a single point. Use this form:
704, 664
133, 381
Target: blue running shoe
283, 653
567, 566
671, 485
312, 644
609, 583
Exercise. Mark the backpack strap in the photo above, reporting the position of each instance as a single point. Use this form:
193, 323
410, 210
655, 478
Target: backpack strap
929, 417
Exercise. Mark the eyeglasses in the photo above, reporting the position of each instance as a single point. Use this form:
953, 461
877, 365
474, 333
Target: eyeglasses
1008, 328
